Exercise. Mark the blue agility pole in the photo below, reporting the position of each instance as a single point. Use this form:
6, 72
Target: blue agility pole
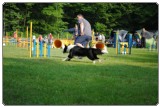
34, 47
130, 42
40, 48
49, 47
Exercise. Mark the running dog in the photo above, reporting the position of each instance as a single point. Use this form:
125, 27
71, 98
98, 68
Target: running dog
74, 50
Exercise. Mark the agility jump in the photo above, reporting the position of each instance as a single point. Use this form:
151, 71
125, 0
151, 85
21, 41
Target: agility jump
122, 47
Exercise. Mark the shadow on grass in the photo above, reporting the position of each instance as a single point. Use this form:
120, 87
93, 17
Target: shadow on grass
53, 82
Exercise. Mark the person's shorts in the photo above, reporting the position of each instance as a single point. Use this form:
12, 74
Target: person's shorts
83, 39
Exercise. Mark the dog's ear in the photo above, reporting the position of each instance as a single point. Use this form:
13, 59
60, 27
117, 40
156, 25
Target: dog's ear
65, 48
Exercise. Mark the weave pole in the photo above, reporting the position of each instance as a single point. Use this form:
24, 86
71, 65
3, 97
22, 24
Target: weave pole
27, 37
37, 49
49, 47
116, 43
130, 43
45, 46
34, 47
30, 53
41, 47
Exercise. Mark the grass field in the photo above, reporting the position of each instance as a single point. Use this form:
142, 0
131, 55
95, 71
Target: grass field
117, 80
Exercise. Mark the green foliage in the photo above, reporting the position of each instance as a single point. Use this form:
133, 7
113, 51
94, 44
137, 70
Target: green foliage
11, 16
53, 14
55, 17
100, 27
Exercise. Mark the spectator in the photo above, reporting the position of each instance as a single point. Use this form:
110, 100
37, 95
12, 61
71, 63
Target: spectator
100, 37
50, 37
103, 38
143, 39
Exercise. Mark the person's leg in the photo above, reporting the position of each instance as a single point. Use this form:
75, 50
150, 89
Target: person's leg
79, 39
80, 45
87, 41
82, 40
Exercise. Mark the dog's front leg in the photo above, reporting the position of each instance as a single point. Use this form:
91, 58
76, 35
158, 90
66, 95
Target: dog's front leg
99, 60
94, 61
66, 59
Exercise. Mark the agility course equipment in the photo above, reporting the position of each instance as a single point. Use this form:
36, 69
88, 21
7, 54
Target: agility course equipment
100, 45
30, 51
149, 38
40, 48
20, 42
37, 47
57, 43
122, 47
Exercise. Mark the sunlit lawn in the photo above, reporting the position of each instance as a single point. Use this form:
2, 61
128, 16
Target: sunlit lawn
117, 80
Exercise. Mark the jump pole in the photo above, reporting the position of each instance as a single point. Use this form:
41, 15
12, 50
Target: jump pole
30, 51
27, 37
17, 37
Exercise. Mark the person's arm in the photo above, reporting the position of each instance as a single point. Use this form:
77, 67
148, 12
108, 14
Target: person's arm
81, 28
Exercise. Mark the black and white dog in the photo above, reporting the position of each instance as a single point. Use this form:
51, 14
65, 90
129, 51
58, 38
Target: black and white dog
74, 50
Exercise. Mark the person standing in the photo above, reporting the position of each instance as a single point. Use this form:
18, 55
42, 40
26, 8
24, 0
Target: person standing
103, 38
50, 38
84, 32
143, 39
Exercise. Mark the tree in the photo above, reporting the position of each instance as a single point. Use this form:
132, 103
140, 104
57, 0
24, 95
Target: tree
55, 17
54, 13
11, 17
100, 27
25, 11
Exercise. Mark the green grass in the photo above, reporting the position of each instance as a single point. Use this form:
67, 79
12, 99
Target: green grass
117, 80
